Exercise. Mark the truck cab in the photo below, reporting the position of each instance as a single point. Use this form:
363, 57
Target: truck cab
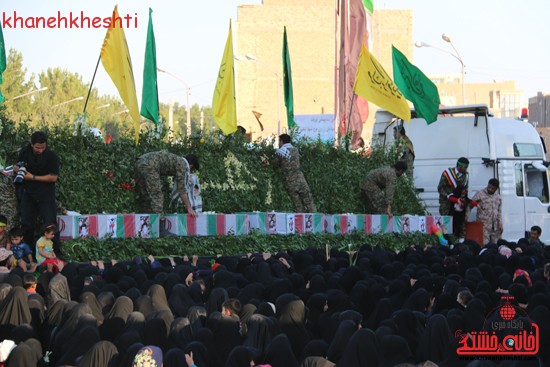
507, 149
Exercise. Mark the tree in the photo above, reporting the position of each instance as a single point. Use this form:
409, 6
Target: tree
15, 84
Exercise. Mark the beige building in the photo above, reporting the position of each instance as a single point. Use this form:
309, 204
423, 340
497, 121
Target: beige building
311, 28
504, 99
312, 31
539, 110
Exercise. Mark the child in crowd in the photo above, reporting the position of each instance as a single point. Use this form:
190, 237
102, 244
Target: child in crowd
44, 249
460, 207
21, 251
29, 283
3, 233
7, 261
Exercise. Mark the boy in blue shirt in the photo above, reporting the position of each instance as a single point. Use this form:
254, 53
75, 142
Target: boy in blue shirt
21, 251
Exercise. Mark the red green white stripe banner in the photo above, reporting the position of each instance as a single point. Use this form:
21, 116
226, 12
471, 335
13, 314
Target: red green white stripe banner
178, 225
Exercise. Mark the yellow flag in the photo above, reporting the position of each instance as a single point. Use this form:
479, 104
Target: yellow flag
224, 107
115, 58
375, 85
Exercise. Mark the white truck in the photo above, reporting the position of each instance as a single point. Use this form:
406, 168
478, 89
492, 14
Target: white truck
510, 150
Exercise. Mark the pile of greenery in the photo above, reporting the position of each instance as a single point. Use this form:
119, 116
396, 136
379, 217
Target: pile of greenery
97, 177
93, 248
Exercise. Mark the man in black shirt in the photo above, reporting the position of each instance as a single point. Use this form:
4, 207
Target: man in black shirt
38, 194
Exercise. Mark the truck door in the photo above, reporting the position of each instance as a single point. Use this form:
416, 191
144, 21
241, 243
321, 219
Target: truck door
513, 199
536, 195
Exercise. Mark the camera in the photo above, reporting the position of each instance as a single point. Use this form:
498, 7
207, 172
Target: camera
20, 176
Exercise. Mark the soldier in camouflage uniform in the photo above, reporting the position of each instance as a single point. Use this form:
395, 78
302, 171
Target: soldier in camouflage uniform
450, 179
405, 150
379, 187
489, 211
148, 170
8, 200
288, 158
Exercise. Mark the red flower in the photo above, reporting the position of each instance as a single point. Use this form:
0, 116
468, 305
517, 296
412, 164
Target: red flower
110, 175
127, 186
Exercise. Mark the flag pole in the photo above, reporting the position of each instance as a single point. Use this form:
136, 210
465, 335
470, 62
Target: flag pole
350, 109
91, 84
336, 74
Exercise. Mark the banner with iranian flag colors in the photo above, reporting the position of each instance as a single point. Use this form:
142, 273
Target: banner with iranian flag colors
140, 225
108, 225
368, 224
381, 224
442, 221
172, 225
87, 226
309, 222
337, 224
67, 226
276, 223
236, 224
211, 224
406, 224
151, 225
80, 226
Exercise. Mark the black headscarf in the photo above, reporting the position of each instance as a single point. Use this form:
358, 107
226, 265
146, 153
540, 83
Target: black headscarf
435, 341
175, 357
90, 299
125, 358
361, 350
180, 333
80, 344
14, 311
382, 311
58, 288
215, 300
158, 298
279, 353
102, 354
240, 356
317, 362
395, 350
200, 353
226, 331
21, 356
292, 322
115, 319
260, 331
180, 300
341, 338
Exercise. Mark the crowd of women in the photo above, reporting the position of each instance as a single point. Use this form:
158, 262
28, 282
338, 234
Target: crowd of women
375, 307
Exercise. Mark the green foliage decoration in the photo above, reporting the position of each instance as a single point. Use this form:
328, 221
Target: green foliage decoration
99, 178
93, 248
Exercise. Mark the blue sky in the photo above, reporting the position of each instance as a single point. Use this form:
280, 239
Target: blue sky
498, 40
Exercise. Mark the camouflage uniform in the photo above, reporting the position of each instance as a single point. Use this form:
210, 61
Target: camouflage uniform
148, 170
379, 188
449, 181
489, 212
295, 182
8, 200
405, 151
